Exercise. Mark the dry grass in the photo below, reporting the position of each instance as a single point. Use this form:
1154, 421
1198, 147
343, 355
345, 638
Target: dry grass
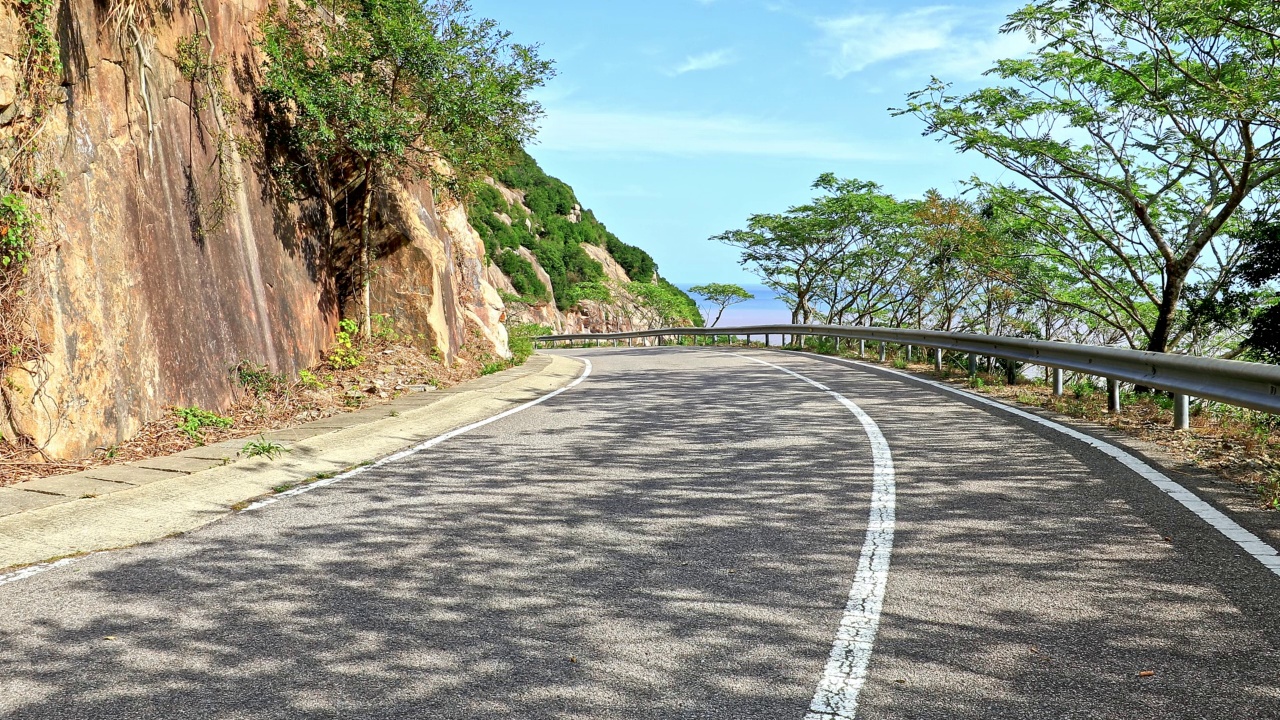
267, 402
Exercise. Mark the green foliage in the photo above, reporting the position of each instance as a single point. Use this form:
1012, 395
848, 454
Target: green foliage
308, 380
524, 277
1139, 131
595, 291
494, 367
345, 354
1082, 390
554, 239
17, 234
520, 340
191, 420
263, 448
258, 379
401, 83
384, 328
665, 305
721, 296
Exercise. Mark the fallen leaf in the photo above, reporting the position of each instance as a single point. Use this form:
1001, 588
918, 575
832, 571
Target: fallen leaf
1147, 673
109, 637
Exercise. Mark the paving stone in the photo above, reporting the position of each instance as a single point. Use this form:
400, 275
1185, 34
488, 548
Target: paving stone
15, 501
294, 434
177, 463
216, 451
131, 474
72, 486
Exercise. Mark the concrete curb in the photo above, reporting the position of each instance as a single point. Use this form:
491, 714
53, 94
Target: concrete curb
123, 505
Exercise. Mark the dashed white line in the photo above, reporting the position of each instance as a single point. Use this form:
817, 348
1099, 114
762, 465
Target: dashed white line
1268, 556
846, 670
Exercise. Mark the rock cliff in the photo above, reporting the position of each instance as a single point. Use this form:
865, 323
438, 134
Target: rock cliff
167, 255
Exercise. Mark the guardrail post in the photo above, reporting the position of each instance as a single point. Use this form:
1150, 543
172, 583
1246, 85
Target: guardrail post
937, 359
973, 364
1113, 396
1181, 412
910, 348
1010, 372
862, 348
884, 352
1057, 381
766, 340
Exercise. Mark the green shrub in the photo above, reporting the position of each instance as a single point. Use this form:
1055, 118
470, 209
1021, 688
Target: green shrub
258, 379
495, 366
520, 340
17, 233
191, 420
345, 354
308, 380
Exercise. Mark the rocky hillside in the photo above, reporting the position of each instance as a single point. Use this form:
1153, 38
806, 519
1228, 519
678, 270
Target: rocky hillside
557, 265
167, 249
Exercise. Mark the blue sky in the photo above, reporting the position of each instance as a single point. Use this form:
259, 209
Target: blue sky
677, 119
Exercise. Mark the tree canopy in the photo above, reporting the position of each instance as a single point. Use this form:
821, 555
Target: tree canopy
1140, 131
721, 296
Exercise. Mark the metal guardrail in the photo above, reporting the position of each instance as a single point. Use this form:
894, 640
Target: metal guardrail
1249, 385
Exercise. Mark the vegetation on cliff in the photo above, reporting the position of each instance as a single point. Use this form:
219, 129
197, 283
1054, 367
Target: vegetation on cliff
554, 228
396, 89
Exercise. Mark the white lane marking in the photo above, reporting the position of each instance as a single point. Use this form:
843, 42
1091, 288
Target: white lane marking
426, 444
1250, 543
27, 572
30, 570
846, 671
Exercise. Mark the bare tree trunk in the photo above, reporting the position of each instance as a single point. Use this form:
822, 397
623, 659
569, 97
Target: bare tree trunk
366, 259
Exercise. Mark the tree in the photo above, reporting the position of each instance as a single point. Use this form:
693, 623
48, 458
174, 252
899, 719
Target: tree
662, 304
721, 296
800, 251
397, 88
1260, 269
1141, 133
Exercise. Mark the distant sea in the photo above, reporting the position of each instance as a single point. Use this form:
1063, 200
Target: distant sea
765, 309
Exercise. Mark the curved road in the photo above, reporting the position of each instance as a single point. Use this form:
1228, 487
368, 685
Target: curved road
676, 537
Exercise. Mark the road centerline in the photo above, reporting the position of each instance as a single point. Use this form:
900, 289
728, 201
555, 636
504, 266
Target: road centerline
845, 673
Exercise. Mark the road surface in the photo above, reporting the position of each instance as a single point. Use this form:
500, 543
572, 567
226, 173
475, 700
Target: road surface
677, 537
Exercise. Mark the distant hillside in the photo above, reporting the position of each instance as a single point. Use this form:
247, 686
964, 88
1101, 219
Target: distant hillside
535, 231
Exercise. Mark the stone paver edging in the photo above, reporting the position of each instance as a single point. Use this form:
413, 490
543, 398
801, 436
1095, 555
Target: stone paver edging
122, 505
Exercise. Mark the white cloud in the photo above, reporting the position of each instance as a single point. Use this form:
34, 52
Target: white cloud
588, 130
951, 42
705, 61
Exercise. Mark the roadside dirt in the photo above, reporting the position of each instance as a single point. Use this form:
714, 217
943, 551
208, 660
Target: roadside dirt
268, 402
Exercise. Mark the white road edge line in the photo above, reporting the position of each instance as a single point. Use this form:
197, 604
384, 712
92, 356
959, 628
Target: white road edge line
31, 570
426, 444
1268, 556
846, 671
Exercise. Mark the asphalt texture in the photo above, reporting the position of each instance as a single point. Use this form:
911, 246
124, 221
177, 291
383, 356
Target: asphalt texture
673, 538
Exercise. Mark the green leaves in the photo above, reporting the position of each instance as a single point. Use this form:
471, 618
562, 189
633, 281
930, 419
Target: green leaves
1137, 131
402, 84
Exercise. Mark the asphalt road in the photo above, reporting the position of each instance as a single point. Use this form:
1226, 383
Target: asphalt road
676, 537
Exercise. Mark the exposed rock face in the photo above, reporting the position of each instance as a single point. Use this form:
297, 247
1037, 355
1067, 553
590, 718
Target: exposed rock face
621, 315
145, 301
